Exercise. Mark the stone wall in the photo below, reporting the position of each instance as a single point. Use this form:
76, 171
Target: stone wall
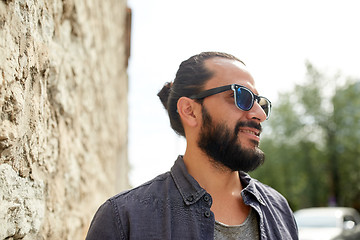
63, 114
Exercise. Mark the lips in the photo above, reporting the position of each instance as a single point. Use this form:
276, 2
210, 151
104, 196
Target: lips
251, 131
251, 134
250, 127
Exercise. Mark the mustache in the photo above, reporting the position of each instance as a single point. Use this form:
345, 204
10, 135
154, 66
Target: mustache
251, 124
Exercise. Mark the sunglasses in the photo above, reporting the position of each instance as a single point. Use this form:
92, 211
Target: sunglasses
244, 97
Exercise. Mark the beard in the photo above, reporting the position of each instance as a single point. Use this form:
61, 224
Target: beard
222, 146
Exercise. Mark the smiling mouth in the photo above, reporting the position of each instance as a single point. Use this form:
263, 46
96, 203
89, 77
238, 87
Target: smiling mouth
256, 133
249, 127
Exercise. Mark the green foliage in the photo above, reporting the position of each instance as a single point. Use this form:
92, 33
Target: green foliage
346, 118
312, 143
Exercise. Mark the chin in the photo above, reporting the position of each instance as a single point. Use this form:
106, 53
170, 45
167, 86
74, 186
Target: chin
251, 144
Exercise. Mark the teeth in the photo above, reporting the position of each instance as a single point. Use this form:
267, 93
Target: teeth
249, 131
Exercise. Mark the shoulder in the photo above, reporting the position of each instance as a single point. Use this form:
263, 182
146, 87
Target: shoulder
145, 192
267, 196
113, 218
274, 200
146, 200
275, 210
261, 190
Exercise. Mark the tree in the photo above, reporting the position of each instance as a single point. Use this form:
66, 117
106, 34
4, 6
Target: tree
346, 118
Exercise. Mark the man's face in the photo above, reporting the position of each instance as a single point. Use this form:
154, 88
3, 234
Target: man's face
228, 135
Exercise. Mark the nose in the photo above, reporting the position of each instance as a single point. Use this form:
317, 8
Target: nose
257, 113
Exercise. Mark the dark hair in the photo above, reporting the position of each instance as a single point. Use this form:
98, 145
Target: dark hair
190, 79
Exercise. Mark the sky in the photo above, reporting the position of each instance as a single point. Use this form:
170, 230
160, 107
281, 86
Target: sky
274, 39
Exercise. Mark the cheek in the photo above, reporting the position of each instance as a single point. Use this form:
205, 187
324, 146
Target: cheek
224, 110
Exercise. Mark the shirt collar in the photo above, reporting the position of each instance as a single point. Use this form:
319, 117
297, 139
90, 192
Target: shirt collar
191, 191
188, 187
250, 188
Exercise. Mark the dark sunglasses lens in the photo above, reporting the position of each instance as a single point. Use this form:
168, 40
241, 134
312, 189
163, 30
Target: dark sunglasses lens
244, 99
264, 103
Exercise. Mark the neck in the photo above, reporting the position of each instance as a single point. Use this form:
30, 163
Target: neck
222, 184
214, 178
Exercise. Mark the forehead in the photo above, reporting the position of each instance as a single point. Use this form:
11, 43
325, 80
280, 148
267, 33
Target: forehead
227, 72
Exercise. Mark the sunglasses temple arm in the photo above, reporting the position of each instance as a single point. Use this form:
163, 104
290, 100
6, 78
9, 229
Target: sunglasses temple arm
210, 92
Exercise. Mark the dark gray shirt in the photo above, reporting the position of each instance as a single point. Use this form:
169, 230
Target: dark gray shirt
174, 206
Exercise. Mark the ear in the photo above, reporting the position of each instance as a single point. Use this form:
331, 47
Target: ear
188, 110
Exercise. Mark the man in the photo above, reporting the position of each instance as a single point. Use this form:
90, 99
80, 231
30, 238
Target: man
207, 194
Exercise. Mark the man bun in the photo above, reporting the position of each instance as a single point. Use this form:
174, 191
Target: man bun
164, 94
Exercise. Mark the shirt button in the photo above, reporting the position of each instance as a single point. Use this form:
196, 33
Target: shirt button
206, 198
190, 198
207, 214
